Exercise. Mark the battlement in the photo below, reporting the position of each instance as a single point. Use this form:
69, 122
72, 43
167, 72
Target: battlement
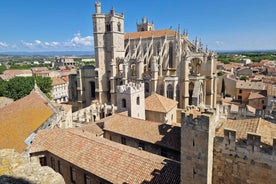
253, 142
196, 117
130, 88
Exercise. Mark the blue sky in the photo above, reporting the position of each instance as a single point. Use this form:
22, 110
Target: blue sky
66, 25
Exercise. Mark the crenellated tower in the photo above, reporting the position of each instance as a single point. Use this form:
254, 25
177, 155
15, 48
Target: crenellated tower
131, 98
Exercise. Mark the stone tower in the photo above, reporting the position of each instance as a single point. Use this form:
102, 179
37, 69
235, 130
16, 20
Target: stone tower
197, 139
145, 25
109, 45
131, 98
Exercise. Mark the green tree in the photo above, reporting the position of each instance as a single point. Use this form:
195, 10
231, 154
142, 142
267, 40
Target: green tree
243, 77
45, 84
19, 87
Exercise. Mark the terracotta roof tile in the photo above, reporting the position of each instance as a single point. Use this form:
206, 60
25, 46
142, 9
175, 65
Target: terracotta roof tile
148, 131
20, 119
266, 129
57, 81
255, 96
158, 103
111, 161
149, 34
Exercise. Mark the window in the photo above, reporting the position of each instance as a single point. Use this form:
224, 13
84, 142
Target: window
141, 145
123, 140
59, 167
138, 100
239, 97
240, 91
108, 27
263, 101
119, 26
73, 174
147, 87
53, 163
170, 91
43, 161
124, 103
171, 55
172, 117
87, 179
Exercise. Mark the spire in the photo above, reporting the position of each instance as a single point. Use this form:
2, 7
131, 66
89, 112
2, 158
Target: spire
206, 49
196, 44
98, 7
178, 29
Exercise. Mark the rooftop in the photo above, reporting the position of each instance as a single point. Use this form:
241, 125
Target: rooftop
20, 119
111, 161
158, 103
148, 131
149, 34
266, 129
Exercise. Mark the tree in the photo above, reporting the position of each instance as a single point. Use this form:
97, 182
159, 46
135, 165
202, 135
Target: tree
45, 84
19, 87
243, 77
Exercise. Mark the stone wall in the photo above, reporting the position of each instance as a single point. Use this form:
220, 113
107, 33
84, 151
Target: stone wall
17, 168
243, 161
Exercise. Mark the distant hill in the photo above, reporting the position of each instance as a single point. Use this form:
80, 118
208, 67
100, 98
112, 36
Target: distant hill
50, 53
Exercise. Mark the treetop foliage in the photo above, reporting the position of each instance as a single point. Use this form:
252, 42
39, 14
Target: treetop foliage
19, 87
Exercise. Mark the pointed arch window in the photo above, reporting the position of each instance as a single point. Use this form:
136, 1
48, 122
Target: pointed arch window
119, 27
170, 91
171, 55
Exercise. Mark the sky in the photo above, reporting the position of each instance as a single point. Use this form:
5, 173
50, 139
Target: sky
66, 25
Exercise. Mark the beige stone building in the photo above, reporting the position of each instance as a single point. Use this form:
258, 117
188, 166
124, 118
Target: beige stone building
166, 61
161, 109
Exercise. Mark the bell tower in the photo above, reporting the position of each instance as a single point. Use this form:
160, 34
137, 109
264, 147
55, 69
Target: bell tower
108, 32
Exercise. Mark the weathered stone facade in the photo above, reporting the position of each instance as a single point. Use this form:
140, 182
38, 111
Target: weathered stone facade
165, 60
243, 161
131, 98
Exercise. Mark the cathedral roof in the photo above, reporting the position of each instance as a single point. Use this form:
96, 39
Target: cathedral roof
20, 119
159, 103
266, 129
108, 160
149, 131
149, 34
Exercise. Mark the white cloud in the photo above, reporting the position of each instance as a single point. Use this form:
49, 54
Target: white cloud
77, 42
4, 45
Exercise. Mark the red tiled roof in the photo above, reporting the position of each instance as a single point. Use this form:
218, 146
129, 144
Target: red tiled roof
20, 119
108, 160
148, 131
149, 34
158, 103
57, 81
266, 129
255, 96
